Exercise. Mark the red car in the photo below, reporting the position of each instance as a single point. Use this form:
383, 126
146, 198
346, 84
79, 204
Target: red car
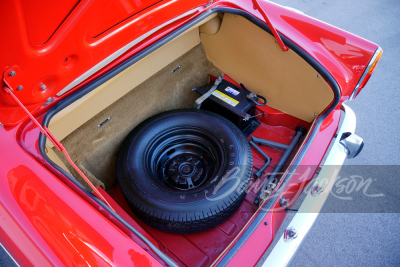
170, 132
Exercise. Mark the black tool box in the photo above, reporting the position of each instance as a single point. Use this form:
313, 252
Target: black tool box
231, 102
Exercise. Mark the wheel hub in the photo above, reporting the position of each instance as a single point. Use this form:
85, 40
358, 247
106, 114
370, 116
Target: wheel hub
184, 158
185, 171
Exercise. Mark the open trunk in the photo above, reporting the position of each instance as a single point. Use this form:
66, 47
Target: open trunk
222, 44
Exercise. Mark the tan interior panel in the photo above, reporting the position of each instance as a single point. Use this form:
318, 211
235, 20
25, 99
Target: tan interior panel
212, 26
199, 24
76, 114
250, 55
94, 149
236, 47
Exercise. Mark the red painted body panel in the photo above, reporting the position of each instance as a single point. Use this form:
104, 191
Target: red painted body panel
252, 251
44, 221
72, 49
49, 224
279, 124
75, 47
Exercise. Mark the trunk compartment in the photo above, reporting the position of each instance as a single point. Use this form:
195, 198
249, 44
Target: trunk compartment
93, 128
203, 248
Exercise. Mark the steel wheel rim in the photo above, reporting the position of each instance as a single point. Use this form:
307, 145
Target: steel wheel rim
184, 158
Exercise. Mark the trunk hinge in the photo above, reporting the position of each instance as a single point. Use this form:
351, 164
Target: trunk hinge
274, 32
44, 130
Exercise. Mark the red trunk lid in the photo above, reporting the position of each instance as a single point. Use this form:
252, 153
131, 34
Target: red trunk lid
46, 45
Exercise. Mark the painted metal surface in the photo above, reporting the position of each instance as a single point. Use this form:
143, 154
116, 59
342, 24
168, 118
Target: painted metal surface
367, 73
271, 26
256, 245
283, 253
343, 54
82, 40
74, 48
43, 221
56, 143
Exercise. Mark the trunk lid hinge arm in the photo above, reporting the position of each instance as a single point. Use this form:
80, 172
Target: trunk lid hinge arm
274, 32
44, 130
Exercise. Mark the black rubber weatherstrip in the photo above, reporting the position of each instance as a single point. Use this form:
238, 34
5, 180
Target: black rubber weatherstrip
88, 88
91, 86
336, 90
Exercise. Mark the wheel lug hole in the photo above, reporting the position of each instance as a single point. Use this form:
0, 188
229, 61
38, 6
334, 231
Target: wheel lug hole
186, 170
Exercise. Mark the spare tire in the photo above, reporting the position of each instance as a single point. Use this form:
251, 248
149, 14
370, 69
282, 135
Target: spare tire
185, 171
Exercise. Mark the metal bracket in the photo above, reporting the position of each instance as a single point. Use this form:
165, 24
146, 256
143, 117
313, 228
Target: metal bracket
14, 77
274, 32
201, 99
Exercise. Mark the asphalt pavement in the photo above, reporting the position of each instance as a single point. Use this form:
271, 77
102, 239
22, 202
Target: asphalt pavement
358, 232
362, 230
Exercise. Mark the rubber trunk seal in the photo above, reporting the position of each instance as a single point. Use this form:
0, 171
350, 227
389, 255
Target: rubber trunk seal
337, 94
88, 88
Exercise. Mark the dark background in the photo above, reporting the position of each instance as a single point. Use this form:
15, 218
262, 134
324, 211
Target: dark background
351, 238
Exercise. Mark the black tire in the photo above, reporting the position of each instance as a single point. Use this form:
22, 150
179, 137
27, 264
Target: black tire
185, 171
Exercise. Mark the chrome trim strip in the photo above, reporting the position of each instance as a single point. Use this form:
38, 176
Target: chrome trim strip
378, 50
284, 252
119, 52
16, 263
